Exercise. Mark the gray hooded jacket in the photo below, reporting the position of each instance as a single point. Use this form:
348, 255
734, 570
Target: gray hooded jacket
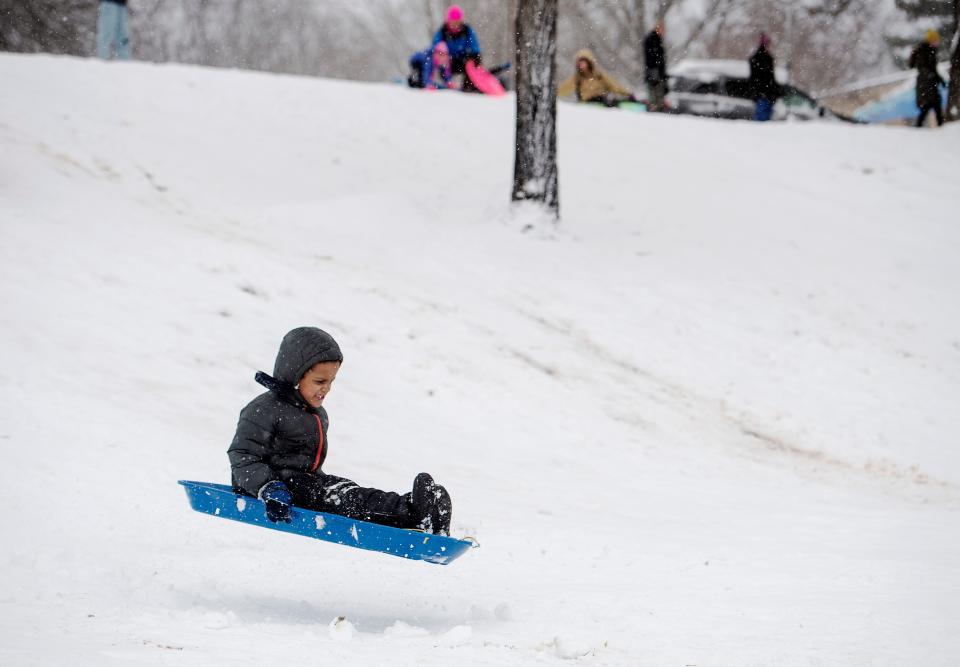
278, 433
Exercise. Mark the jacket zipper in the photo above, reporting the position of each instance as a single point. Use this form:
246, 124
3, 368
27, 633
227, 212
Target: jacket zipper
316, 460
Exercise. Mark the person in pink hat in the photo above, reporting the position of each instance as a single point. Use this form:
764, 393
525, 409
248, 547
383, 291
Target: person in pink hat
763, 81
460, 39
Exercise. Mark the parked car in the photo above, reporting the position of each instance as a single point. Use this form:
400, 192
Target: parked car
720, 89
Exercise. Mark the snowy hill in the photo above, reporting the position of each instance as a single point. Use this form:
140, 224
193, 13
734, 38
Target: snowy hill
709, 420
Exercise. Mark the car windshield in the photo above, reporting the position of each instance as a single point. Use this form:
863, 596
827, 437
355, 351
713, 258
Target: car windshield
739, 88
682, 84
798, 99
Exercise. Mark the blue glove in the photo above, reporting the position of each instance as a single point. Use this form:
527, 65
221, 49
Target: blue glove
277, 499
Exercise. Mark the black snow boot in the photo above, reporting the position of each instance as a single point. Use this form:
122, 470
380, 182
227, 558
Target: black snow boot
431, 505
422, 501
444, 511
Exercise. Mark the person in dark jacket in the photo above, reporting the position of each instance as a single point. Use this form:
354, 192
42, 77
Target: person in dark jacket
460, 39
924, 59
113, 34
281, 443
431, 69
462, 42
655, 68
763, 80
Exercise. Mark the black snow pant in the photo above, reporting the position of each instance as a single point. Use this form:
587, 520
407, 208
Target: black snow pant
935, 108
337, 495
459, 66
415, 80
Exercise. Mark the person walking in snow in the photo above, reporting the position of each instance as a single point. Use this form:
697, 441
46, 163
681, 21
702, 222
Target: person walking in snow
431, 68
592, 84
655, 68
113, 35
763, 80
924, 59
278, 451
461, 42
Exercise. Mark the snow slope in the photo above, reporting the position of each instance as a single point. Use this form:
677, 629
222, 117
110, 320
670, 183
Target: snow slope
709, 420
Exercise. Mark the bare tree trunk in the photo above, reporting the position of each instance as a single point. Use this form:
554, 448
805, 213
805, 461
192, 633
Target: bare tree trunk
711, 14
196, 30
535, 163
52, 26
432, 18
663, 7
953, 91
614, 31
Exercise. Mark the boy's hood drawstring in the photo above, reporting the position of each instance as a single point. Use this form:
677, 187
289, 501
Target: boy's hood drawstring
285, 391
273, 384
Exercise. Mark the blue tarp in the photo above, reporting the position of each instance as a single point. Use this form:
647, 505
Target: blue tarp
900, 105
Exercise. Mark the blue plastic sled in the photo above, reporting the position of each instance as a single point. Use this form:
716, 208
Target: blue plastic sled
220, 500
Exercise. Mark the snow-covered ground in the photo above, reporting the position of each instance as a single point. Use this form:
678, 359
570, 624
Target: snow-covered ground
710, 420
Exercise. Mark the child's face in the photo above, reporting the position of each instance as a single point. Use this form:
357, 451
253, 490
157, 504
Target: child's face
316, 382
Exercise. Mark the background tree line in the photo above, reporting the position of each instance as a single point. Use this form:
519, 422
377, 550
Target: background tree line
825, 43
